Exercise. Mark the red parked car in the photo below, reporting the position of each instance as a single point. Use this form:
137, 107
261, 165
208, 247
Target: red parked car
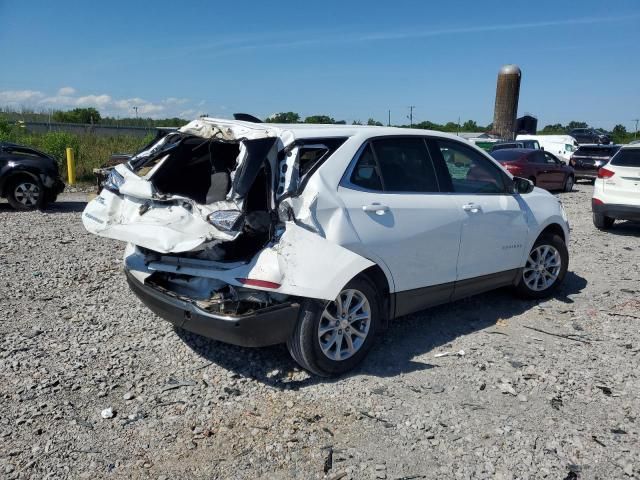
542, 168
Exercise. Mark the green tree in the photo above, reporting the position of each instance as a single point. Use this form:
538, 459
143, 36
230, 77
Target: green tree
78, 115
319, 119
374, 123
284, 117
620, 134
619, 130
470, 126
555, 128
356, 122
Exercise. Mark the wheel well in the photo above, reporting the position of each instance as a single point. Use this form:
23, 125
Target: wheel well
379, 279
554, 229
10, 179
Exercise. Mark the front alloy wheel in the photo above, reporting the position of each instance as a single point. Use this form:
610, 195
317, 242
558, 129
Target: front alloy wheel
545, 268
333, 337
542, 268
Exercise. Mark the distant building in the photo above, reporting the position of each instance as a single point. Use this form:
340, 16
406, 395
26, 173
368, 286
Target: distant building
527, 124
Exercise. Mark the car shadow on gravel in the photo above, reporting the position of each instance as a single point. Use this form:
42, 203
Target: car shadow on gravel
625, 229
57, 207
400, 349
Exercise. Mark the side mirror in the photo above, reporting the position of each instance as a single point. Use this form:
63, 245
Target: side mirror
522, 185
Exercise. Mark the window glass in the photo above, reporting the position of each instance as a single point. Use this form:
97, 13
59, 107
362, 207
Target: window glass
365, 174
309, 156
470, 171
627, 157
537, 157
405, 165
550, 158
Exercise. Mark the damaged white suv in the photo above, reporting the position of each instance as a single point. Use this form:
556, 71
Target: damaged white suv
317, 235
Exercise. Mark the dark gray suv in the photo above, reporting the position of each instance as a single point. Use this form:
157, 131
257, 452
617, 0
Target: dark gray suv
29, 179
590, 135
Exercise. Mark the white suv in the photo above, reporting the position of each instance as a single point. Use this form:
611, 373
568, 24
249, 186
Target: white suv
318, 235
616, 192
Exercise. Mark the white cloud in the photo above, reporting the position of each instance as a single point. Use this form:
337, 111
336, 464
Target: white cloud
98, 101
67, 97
19, 97
66, 91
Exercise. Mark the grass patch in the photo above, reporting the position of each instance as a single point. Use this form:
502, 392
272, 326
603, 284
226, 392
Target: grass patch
91, 151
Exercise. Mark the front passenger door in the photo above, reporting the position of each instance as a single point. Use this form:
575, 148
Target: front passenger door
555, 171
494, 228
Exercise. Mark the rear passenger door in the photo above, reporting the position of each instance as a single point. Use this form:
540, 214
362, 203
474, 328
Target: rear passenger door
402, 219
494, 227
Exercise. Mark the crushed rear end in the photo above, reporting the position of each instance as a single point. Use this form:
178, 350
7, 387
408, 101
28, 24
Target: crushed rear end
214, 245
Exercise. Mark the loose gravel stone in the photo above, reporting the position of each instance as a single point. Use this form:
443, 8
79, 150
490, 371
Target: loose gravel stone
74, 340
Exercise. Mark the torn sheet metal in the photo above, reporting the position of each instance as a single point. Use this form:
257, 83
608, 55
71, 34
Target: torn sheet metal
287, 263
224, 130
160, 226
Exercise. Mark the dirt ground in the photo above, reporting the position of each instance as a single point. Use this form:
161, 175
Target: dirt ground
544, 389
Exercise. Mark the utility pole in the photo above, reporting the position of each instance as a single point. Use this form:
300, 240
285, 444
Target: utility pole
635, 134
410, 117
458, 126
136, 109
389, 119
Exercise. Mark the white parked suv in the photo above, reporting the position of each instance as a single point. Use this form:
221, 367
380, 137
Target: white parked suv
317, 235
616, 192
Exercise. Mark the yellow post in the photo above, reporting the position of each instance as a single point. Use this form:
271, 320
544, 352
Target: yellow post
71, 166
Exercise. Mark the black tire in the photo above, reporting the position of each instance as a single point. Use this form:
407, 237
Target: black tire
546, 239
25, 193
304, 343
602, 222
568, 183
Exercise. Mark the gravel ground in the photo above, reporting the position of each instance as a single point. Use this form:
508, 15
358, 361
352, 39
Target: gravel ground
543, 389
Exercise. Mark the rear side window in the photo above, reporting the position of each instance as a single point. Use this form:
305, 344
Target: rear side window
405, 165
395, 165
470, 172
627, 157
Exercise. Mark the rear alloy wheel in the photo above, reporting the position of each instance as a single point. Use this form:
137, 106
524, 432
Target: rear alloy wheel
602, 222
545, 268
333, 337
568, 184
25, 194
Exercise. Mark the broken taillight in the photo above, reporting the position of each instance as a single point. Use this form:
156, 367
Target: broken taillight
252, 282
226, 220
604, 173
114, 181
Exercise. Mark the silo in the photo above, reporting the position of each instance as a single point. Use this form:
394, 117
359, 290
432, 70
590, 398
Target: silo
506, 109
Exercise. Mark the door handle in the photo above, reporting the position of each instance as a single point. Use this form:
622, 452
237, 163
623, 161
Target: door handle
471, 207
375, 208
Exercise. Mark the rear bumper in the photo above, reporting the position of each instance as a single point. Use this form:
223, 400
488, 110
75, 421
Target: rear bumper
267, 326
590, 173
619, 212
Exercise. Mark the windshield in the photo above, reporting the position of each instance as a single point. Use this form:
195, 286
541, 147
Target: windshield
627, 157
507, 155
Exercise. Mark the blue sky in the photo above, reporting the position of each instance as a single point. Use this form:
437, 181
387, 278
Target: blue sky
347, 59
